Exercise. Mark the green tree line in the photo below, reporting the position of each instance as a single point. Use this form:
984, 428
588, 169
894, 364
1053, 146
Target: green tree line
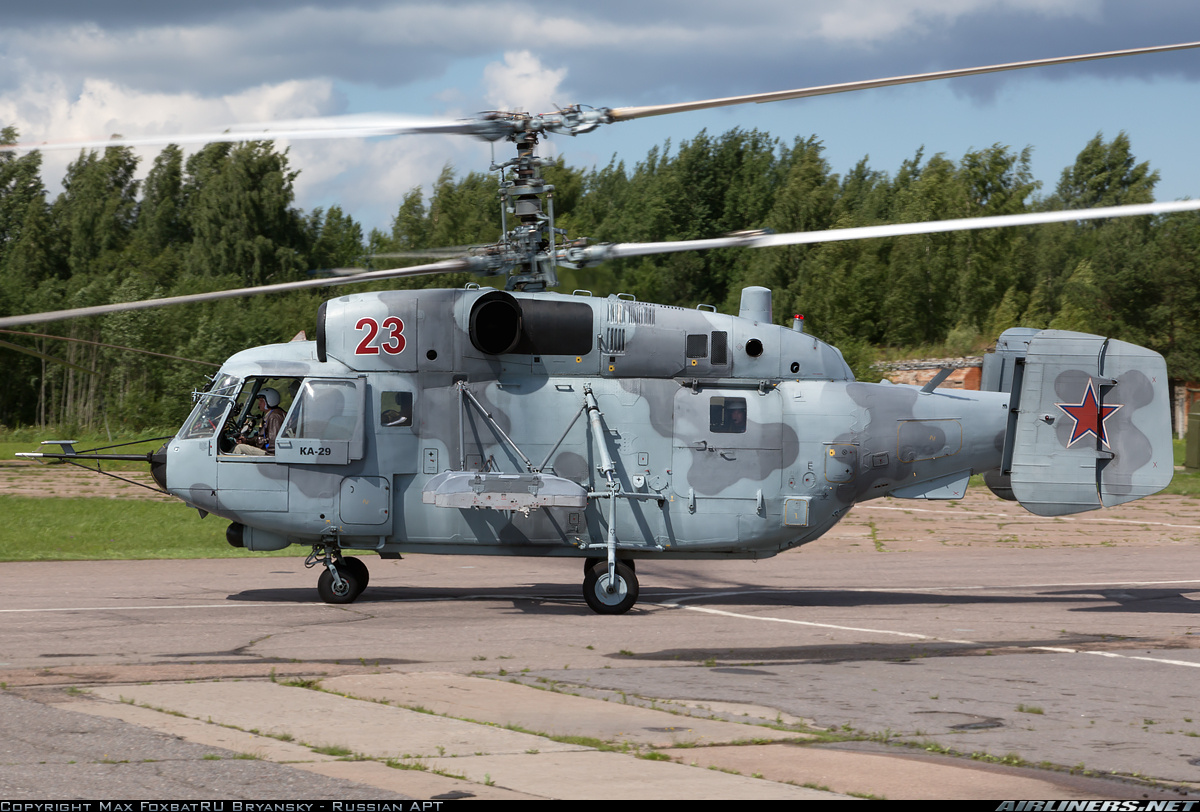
225, 217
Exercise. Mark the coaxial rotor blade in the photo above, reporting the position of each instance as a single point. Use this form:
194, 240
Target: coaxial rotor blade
428, 253
448, 266
598, 253
356, 126
575, 121
27, 351
89, 342
628, 113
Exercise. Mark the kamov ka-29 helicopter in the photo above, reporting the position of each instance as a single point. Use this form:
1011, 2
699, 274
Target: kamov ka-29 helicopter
523, 422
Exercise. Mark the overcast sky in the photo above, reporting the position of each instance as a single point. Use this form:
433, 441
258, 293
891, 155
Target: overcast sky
86, 70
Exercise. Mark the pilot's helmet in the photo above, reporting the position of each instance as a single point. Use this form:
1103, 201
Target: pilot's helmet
271, 396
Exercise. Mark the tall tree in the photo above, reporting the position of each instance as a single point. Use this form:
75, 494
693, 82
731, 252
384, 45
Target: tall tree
239, 212
337, 241
162, 220
1106, 174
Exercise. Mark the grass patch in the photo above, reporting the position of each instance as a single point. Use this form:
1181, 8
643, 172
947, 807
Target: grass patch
57, 529
1035, 709
333, 750
1184, 483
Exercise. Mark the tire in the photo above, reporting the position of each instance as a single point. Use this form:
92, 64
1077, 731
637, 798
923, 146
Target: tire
358, 568
353, 587
603, 602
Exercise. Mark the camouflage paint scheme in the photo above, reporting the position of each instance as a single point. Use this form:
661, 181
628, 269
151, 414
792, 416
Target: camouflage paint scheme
814, 443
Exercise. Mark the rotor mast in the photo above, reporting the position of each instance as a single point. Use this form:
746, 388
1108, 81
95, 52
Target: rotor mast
530, 244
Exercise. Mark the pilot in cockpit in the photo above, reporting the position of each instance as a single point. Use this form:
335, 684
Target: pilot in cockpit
263, 442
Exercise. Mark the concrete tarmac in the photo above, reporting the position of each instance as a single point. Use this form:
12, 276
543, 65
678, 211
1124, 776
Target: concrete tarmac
1061, 655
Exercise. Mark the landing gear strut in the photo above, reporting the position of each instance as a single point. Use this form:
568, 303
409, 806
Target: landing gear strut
610, 597
344, 578
592, 561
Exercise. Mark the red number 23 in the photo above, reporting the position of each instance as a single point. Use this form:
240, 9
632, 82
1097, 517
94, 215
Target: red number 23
392, 345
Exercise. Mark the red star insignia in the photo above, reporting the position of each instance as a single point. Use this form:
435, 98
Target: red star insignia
1089, 416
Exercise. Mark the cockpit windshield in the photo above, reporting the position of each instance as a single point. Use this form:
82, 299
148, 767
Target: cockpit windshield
209, 415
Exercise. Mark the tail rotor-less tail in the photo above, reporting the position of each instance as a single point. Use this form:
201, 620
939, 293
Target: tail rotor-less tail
1089, 421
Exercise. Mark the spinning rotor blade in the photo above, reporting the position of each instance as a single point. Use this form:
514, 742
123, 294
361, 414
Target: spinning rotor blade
628, 113
93, 344
8, 345
356, 126
574, 120
595, 254
592, 255
449, 266
446, 252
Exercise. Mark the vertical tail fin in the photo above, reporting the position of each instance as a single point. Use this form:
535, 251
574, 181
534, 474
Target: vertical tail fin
1089, 424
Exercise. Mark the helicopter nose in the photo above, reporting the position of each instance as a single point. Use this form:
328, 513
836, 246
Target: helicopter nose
158, 466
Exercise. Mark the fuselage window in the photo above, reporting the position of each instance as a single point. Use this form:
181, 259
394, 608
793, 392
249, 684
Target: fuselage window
396, 409
727, 415
720, 348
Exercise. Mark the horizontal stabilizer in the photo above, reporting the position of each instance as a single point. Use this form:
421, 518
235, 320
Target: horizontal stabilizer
1093, 425
951, 486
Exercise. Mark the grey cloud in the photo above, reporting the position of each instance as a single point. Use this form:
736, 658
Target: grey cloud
625, 53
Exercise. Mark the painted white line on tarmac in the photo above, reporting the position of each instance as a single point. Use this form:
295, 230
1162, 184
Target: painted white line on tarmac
1146, 659
137, 608
923, 590
1054, 585
768, 619
913, 635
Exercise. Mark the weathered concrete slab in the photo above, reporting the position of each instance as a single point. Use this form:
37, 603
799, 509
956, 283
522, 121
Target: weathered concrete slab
324, 720
881, 776
616, 776
542, 711
503, 763
200, 732
415, 783
410, 783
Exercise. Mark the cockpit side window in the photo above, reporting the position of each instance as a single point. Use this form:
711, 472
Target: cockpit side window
324, 410
396, 409
257, 413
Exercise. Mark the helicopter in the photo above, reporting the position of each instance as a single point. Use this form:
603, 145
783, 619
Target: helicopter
519, 421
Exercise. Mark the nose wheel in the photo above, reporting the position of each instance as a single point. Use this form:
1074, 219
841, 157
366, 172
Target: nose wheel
610, 597
343, 579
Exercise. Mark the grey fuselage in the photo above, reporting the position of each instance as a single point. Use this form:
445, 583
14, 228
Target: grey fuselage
403, 386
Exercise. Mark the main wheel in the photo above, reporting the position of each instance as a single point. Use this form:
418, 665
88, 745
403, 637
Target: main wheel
605, 601
350, 563
352, 586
